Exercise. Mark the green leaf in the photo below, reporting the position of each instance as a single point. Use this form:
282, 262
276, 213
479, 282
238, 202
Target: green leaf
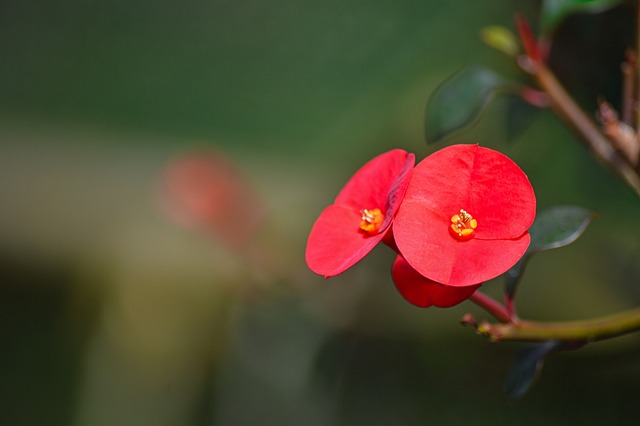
527, 366
457, 102
520, 115
558, 227
553, 228
555, 11
500, 38
513, 276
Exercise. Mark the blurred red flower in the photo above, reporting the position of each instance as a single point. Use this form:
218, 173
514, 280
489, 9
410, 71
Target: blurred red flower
361, 215
465, 216
206, 191
423, 292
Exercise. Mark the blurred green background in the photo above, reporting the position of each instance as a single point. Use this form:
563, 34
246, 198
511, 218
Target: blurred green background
111, 313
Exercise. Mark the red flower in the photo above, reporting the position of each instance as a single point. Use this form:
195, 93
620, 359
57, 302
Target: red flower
206, 191
423, 292
465, 216
361, 215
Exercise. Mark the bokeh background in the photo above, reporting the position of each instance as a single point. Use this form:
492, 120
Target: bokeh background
161, 164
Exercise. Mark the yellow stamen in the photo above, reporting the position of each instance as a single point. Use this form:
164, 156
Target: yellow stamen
371, 221
463, 225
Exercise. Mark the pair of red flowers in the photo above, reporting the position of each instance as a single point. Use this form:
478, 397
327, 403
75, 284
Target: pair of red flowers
456, 220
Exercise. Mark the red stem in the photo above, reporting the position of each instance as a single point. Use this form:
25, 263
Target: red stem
495, 308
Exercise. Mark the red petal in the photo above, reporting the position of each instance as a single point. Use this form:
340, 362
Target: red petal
484, 182
381, 183
336, 242
444, 259
488, 185
423, 292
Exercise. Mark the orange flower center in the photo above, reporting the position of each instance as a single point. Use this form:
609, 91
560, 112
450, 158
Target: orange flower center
371, 221
463, 225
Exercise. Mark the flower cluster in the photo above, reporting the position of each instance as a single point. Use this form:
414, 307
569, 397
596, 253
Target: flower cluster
457, 219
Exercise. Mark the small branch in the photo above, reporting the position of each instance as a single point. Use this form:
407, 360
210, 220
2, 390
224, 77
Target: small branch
628, 69
492, 306
564, 105
575, 331
621, 135
637, 71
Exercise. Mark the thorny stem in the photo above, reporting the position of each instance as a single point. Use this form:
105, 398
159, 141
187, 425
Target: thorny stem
628, 69
637, 70
566, 108
564, 105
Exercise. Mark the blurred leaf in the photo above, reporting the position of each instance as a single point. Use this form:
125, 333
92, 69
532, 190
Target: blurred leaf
527, 367
459, 100
520, 114
500, 38
554, 11
553, 228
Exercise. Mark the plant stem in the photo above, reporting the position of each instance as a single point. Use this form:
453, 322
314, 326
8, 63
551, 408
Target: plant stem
629, 74
492, 306
564, 105
575, 331
637, 72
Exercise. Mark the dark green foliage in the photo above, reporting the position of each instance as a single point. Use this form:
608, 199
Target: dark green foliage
457, 102
554, 11
553, 228
527, 367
